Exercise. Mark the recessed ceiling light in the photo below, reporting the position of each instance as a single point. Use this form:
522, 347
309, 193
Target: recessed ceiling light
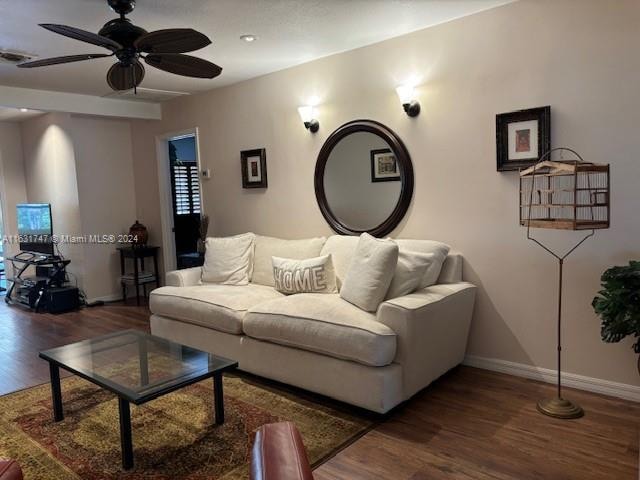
248, 38
24, 110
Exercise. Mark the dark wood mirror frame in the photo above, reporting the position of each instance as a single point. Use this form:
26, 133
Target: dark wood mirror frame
406, 176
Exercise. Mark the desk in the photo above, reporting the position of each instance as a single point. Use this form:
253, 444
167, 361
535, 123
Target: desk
29, 291
139, 278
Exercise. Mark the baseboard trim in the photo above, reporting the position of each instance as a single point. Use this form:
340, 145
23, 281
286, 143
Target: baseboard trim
106, 298
572, 380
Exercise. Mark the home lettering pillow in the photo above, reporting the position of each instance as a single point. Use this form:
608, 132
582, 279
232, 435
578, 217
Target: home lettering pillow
370, 272
312, 275
410, 271
228, 260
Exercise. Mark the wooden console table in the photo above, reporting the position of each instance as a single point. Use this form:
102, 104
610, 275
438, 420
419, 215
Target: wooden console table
139, 278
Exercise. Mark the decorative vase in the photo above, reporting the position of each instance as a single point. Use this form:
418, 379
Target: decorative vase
139, 234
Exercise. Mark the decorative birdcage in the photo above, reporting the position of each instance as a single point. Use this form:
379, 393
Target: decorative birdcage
567, 195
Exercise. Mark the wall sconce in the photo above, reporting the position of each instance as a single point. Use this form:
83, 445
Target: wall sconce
408, 100
307, 115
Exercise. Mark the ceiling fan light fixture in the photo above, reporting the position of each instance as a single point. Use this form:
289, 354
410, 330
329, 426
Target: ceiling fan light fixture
162, 49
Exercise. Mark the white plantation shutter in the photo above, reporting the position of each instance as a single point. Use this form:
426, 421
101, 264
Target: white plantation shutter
186, 189
195, 189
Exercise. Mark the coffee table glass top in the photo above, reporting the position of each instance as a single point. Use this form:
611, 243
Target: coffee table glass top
137, 366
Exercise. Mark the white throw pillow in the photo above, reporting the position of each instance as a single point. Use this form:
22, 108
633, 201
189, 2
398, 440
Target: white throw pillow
312, 275
439, 250
228, 260
370, 272
409, 272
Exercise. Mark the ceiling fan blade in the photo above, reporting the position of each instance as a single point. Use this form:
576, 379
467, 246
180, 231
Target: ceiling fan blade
172, 40
125, 77
184, 65
82, 35
45, 62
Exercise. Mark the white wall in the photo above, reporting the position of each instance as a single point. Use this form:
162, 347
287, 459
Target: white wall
580, 57
104, 168
12, 182
50, 174
83, 167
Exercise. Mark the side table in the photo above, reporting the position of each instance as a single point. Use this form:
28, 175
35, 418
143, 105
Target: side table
139, 277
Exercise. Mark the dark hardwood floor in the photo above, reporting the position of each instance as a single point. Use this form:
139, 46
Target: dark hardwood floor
471, 424
24, 333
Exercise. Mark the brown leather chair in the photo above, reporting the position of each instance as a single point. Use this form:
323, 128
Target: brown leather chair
279, 454
10, 470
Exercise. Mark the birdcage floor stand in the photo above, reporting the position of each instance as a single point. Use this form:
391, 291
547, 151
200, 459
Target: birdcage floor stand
559, 407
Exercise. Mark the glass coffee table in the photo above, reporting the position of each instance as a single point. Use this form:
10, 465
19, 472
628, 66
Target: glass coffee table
137, 367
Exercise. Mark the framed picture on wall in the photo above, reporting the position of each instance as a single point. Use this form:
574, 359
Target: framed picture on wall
254, 168
522, 137
384, 166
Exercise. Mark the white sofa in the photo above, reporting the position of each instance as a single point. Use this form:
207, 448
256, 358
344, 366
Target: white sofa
320, 342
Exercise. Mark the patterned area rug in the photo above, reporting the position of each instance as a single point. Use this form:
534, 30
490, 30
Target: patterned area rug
173, 436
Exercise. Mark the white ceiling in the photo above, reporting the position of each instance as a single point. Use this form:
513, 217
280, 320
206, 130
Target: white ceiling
289, 32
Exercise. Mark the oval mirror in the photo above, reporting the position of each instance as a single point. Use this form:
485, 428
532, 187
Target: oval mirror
364, 179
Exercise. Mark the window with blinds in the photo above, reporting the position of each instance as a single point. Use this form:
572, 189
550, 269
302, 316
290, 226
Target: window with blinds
186, 189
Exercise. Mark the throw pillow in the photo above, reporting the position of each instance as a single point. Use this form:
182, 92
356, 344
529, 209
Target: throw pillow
370, 272
440, 252
312, 275
228, 260
409, 272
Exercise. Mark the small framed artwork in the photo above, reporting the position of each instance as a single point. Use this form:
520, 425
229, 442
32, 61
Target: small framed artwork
384, 166
254, 168
522, 137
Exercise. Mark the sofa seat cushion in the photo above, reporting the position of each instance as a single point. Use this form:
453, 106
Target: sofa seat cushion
219, 307
323, 323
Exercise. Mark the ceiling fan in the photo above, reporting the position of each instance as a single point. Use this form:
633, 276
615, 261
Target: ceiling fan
129, 43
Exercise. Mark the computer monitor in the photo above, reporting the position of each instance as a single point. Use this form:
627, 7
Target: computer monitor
35, 228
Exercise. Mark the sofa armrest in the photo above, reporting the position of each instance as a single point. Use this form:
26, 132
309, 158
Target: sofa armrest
278, 454
432, 326
184, 278
10, 470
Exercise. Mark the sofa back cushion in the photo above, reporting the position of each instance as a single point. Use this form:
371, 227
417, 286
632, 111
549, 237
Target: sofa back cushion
268, 247
342, 248
228, 260
312, 275
452, 269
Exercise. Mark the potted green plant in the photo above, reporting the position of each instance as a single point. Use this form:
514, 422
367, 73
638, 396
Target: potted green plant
618, 304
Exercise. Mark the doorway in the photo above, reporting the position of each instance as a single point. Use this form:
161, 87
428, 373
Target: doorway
181, 196
186, 200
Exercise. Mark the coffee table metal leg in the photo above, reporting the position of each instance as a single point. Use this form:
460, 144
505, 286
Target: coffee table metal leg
218, 398
126, 443
56, 392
